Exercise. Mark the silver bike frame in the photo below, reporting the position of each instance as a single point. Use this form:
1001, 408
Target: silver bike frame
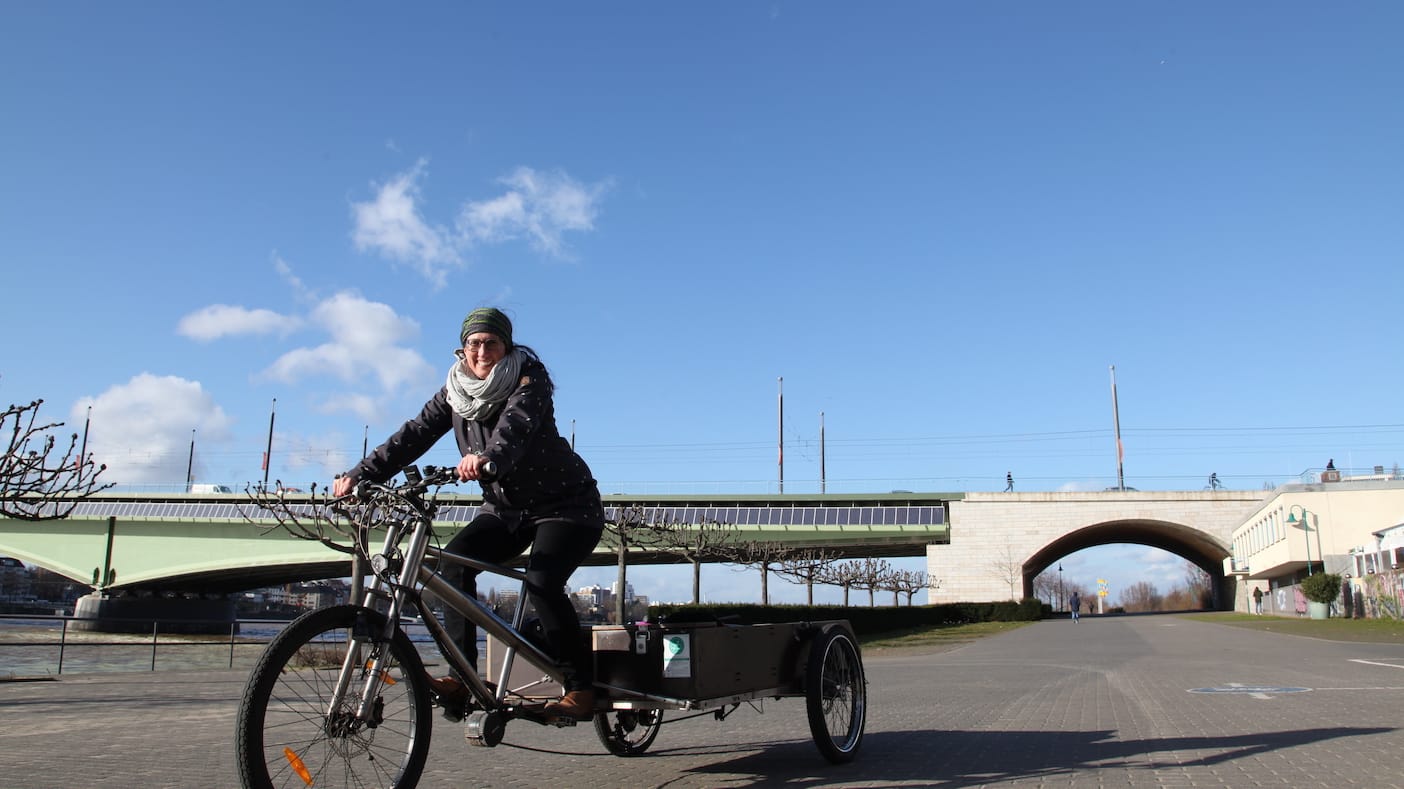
474, 611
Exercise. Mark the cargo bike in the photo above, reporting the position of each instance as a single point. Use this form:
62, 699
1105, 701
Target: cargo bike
340, 697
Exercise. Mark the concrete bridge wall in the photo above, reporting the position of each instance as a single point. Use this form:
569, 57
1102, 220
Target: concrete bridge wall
1000, 541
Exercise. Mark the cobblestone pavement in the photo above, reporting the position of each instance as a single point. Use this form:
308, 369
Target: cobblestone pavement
1154, 701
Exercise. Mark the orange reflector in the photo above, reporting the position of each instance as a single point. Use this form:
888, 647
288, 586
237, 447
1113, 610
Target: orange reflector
384, 675
298, 766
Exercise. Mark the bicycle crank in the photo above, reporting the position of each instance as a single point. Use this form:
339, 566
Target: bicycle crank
485, 728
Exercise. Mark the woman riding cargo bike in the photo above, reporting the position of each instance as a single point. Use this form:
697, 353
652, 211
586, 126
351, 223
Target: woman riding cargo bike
341, 696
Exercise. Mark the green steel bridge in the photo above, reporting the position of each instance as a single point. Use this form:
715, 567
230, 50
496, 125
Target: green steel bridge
208, 544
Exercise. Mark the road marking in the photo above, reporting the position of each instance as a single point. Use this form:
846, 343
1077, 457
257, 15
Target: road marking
1256, 691
1375, 663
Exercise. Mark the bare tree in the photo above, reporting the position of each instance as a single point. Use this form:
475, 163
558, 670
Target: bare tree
1006, 566
763, 555
1045, 586
871, 576
697, 543
1195, 591
908, 582
35, 484
840, 574
1141, 596
629, 526
806, 566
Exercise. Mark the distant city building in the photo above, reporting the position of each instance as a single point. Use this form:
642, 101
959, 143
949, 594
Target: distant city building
14, 578
309, 594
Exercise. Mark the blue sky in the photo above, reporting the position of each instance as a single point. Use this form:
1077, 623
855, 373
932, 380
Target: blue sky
940, 223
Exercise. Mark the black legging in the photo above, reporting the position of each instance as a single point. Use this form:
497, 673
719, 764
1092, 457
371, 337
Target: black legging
557, 548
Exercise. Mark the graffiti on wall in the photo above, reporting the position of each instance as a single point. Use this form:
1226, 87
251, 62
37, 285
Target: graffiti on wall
1381, 595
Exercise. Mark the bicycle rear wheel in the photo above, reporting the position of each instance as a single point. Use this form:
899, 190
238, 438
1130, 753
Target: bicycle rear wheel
628, 732
836, 695
289, 735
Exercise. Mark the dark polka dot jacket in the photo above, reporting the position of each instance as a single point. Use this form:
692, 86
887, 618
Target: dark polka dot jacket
538, 474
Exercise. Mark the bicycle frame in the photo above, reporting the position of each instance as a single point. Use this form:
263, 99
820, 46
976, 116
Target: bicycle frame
423, 562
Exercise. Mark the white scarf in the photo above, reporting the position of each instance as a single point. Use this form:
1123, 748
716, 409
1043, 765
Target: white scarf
472, 397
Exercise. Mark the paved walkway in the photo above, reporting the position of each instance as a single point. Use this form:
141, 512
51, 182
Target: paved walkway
1105, 702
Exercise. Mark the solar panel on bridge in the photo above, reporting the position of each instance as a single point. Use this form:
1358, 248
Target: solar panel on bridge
459, 513
794, 516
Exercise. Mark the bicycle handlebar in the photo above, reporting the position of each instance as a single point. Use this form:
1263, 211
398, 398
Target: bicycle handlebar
433, 476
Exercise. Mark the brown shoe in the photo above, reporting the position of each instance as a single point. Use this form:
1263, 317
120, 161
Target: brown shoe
578, 704
451, 692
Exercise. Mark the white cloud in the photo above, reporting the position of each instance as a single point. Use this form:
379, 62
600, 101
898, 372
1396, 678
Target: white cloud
224, 320
391, 225
539, 207
367, 408
285, 271
365, 337
142, 429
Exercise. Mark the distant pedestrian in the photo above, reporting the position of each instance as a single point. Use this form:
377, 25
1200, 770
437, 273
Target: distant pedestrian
1074, 603
1257, 599
1008, 481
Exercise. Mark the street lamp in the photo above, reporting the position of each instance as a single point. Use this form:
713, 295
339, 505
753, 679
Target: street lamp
1301, 523
1061, 604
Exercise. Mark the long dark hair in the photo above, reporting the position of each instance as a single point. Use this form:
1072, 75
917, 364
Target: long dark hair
531, 354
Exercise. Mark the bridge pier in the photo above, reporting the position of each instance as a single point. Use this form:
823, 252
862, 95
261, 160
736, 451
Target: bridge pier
105, 613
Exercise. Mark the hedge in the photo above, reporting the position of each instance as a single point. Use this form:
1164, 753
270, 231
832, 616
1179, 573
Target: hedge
865, 620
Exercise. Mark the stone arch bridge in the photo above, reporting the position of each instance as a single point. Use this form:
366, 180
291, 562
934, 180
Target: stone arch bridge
1000, 541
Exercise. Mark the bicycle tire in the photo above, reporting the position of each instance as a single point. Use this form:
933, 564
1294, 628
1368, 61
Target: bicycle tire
628, 732
286, 736
836, 695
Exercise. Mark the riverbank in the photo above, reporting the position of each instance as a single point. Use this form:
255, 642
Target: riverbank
35, 648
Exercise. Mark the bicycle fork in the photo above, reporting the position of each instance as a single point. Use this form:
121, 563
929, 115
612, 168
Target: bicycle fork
362, 634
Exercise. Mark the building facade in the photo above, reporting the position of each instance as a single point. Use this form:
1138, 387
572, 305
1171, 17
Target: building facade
1353, 527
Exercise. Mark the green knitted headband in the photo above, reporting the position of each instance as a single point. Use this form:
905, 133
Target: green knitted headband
487, 319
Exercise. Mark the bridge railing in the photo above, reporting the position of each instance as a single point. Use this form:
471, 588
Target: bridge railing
37, 647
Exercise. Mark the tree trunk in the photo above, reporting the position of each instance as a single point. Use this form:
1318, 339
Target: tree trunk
620, 604
697, 581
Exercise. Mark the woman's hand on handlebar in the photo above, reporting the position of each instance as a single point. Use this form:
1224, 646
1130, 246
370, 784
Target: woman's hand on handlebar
342, 486
474, 467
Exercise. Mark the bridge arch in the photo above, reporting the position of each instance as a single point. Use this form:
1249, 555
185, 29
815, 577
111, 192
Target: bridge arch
997, 537
1195, 546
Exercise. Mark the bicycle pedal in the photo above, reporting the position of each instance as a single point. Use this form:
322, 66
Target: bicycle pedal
452, 713
561, 721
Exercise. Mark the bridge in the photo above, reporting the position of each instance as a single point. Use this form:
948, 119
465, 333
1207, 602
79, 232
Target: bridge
205, 544
981, 546
999, 542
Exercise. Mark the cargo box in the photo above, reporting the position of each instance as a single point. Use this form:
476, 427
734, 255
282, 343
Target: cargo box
709, 661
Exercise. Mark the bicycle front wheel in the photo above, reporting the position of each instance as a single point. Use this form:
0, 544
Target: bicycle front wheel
291, 735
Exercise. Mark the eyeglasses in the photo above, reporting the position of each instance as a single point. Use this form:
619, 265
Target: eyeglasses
473, 346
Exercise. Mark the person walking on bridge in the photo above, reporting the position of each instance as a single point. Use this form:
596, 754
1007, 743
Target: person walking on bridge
537, 491
1074, 603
